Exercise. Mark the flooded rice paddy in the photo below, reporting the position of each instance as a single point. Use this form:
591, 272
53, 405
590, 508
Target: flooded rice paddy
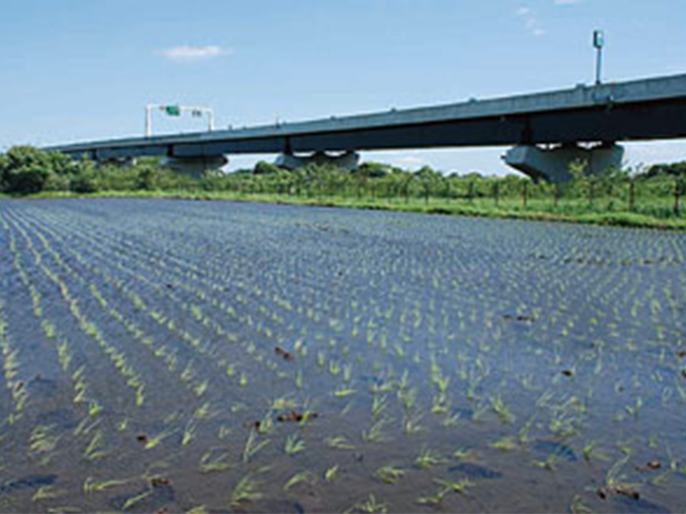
213, 357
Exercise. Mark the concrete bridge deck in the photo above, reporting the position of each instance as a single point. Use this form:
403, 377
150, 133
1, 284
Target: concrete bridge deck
637, 110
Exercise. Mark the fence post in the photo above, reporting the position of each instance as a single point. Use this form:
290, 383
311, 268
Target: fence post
632, 195
556, 195
525, 193
676, 197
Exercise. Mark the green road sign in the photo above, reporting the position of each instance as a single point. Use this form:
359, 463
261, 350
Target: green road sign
598, 39
172, 110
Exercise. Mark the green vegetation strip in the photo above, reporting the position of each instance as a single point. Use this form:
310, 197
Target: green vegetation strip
629, 197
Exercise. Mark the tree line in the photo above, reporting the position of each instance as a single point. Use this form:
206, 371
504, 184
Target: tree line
26, 170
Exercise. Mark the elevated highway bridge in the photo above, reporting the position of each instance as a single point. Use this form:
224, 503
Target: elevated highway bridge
547, 131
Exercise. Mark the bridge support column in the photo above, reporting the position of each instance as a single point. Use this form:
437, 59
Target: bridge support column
347, 160
195, 166
553, 165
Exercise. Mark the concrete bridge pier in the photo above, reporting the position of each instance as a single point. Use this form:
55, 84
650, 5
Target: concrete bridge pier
347, 160
553, 165
195, 166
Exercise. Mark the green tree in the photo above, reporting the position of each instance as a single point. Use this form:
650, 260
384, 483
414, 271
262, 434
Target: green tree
25, 170
428, 179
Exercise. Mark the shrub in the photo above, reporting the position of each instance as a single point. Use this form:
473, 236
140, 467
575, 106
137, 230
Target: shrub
84, 183
266, 168
26, 180
148, 178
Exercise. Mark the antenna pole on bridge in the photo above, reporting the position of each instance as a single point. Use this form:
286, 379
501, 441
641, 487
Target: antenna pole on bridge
148, 120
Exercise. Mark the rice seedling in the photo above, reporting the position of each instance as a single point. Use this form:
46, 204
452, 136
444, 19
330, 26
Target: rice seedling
440, 404
283, 404
390, 474
408, 398
253, 446
201, 388
92, 485
460, 486
138, 498
304, 477
294, 445
331, 474
94, 408
43, 442
523, 433
578, 507
429, 458
370, 506
633, 410
452, 421
504, 414
591, 452
376, 434
204, 412
156, 440
506, 444
344, 392
215, 461
548, 463
339, 443
95, 450
411, 424
434, 499
246, 491
48, 492
379, 405
615, 482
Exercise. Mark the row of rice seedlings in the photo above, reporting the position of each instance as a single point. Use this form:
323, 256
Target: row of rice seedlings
190, 428
213, 285
346, 374
42, 444
10, 368
41, 441
65, 358
167, 269
196, 387
64, 354
168, 324
117, 357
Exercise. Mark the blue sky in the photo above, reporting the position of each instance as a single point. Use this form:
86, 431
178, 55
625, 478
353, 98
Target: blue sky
83, 69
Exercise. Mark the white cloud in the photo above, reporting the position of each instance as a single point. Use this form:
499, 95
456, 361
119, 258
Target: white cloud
187, 53
530, 21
